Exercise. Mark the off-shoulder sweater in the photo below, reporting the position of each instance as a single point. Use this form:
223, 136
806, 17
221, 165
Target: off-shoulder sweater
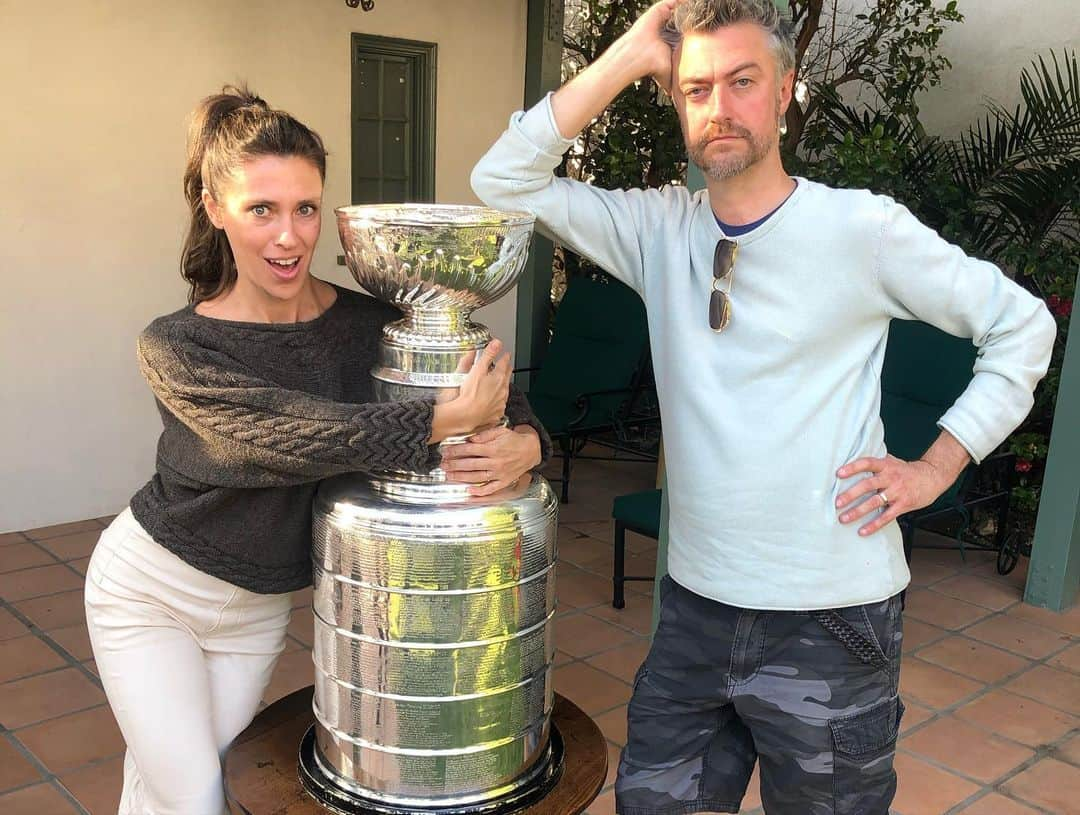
254, 415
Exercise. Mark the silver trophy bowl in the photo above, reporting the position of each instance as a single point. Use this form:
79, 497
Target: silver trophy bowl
433, 609
437, 263
434, 259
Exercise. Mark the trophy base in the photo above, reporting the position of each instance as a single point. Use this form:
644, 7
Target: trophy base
337, 799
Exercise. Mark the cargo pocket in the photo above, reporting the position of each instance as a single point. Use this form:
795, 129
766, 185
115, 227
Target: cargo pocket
864, 744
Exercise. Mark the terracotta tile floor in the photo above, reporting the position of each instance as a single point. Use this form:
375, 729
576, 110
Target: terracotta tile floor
992, 686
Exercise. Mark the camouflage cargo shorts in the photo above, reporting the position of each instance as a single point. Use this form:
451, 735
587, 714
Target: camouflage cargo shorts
813, 696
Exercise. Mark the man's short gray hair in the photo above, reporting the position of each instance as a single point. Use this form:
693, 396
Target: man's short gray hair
709, 15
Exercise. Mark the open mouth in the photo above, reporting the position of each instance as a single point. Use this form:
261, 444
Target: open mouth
284, 268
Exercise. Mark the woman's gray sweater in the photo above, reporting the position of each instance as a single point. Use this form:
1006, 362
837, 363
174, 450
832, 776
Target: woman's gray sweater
255, 414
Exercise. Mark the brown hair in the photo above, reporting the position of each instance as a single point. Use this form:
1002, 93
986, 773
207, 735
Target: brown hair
226, 130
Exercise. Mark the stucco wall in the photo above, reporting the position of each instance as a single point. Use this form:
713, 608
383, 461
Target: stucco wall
997, 39
91, 215
95, 97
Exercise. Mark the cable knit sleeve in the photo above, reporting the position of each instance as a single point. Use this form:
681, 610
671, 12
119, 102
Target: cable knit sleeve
519, 412
226, 426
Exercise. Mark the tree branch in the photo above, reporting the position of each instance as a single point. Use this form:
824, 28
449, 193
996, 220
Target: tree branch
808, 29
607, 34
886, 12
810, 15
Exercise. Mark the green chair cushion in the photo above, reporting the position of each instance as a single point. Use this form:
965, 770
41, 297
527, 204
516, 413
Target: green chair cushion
924, 372
926, 364
601, 310
910, 426
556, 414
639, 510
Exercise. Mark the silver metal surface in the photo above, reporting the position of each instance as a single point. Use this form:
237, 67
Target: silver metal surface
437, 263
433, 641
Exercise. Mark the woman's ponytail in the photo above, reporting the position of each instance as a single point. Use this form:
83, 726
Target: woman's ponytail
227, 129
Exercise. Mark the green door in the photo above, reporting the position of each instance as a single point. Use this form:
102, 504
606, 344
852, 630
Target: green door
393, 120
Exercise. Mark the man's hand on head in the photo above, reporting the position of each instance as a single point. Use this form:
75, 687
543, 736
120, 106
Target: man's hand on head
646, 35
640, 52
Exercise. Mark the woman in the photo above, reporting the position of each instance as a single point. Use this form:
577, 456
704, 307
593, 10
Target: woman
263, 387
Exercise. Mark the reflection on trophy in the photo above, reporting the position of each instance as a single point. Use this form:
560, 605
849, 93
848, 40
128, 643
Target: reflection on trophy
433, 610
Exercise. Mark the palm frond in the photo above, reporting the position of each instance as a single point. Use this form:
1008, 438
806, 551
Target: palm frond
1020, 169
1053, 102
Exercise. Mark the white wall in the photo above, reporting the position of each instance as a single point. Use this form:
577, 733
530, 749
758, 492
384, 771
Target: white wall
997, 39
95, 98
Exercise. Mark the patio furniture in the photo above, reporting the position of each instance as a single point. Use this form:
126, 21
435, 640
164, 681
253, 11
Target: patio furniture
924, 372
594, 384
637, 512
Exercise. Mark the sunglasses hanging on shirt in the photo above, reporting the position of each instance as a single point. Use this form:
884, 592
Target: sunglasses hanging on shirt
723, 270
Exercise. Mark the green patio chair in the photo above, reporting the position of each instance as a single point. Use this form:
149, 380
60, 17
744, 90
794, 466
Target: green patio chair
637, 512
924, 371
594, 383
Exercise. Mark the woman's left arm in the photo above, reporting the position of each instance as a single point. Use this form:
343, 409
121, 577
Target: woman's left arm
494, 459
521, 416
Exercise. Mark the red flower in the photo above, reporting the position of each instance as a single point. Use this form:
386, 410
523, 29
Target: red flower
1053, 301
1023, 465
1064, 309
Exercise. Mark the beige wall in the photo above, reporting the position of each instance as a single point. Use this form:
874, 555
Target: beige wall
95, 96
988, 50
997, 39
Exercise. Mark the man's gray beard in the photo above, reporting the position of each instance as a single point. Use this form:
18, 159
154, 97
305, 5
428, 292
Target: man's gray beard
725, 167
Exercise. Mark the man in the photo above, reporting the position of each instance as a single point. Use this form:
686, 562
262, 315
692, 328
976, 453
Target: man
780, 632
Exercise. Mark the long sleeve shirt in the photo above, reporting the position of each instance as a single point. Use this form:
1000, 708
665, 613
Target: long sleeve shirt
757, 419
254, 415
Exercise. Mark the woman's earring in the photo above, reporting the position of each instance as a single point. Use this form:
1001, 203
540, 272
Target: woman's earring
783, 126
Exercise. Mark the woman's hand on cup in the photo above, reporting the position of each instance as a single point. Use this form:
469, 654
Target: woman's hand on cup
492, 459
481, 399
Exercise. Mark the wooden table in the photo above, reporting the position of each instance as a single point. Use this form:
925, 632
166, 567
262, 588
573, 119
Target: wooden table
261, 765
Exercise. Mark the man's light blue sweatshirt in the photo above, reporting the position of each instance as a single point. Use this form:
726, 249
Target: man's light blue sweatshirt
757, 419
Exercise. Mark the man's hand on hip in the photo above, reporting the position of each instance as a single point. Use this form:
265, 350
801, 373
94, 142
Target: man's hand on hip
896, 486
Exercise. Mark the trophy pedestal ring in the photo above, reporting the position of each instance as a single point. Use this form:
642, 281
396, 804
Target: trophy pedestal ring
261, 776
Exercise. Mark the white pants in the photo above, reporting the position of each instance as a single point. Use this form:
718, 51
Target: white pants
184, 658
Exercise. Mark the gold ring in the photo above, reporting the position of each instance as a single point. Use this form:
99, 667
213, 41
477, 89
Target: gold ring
884, 499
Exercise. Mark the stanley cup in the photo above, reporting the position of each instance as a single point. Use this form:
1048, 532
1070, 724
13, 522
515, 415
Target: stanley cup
437, 264
433, 644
